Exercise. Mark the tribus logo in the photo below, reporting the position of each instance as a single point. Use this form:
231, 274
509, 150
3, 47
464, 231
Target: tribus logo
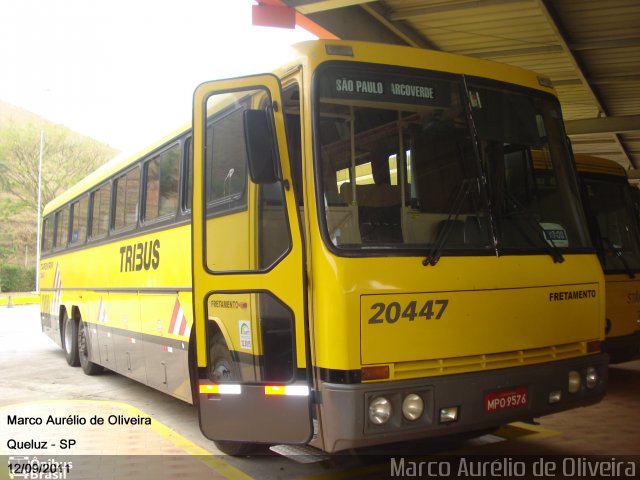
139, 256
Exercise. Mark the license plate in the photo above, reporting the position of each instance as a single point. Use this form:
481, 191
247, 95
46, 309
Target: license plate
505, 399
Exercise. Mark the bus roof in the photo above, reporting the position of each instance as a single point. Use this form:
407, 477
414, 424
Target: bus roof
311, 54
314, 52
591, 164
102, 173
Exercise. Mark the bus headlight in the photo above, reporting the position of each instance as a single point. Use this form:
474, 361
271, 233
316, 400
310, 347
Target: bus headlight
412, 406
574, 381
379, 410
591, 377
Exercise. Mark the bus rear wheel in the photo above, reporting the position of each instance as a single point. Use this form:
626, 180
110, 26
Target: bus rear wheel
87, 365
224, 369
70, 340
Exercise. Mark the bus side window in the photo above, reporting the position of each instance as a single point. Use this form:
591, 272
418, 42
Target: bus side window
187, 185
161, 192
47, 233
126, 201
62, 228
79, 217
100, 201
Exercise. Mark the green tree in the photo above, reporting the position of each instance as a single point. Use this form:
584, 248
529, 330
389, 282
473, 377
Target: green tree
15, 278
66, 158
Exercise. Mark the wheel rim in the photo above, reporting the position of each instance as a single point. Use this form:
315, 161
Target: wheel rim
68, 336
222, 372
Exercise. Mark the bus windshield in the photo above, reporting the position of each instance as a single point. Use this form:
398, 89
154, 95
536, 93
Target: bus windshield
405, 164
616, 226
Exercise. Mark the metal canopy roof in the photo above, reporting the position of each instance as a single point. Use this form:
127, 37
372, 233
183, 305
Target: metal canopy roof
589, 48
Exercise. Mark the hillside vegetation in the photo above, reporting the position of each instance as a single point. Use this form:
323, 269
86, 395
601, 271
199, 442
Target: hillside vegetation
66, 158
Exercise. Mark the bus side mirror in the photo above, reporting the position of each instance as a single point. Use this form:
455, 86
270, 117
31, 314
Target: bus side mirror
261, 147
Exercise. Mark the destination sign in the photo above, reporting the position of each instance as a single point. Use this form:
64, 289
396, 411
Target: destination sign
387, 88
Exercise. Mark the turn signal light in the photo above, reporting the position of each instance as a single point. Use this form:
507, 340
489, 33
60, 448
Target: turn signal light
375, 373
593, 346
214, 389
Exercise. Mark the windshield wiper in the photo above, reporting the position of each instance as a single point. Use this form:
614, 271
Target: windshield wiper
482, 180
548, 242
618, 253
443, 235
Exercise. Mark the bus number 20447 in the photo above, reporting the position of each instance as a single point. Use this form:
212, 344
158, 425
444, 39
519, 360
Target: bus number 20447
393, 311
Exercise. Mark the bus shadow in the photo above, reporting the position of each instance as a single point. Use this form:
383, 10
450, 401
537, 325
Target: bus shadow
624, 379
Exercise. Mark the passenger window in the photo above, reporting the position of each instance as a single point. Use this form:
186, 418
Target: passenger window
47, 234
188, 180
126, 204
79, 213
101, 200
161, 193
62, 227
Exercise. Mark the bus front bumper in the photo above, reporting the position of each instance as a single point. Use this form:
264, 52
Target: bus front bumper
480, 401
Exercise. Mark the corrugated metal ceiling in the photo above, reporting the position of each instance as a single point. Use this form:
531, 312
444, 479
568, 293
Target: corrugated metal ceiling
589, 48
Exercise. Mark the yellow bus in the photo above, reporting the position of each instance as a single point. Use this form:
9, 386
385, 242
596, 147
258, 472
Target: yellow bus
613, 223
347, 252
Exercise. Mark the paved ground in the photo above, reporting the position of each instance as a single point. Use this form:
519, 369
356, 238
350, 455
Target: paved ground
36, 382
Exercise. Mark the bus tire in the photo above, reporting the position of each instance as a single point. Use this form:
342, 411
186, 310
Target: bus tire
70, 339
84, 348
224, 369
235, 449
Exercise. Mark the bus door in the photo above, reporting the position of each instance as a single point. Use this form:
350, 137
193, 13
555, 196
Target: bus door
253, 368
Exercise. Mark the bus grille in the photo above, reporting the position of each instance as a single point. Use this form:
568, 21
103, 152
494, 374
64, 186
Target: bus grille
493, 361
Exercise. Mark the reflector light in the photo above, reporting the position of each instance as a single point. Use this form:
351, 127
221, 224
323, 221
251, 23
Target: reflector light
292, 390
375, 373
593, 346
225, 389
